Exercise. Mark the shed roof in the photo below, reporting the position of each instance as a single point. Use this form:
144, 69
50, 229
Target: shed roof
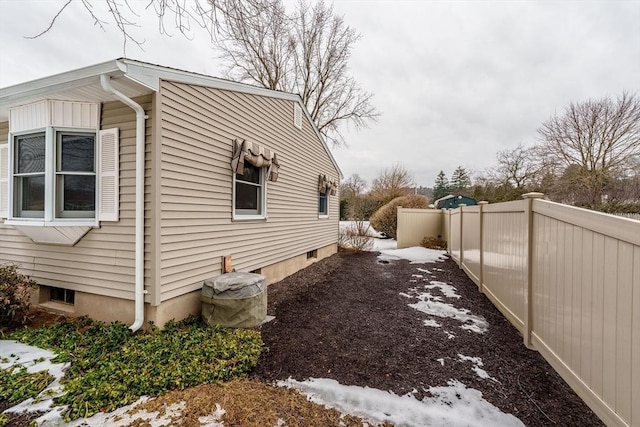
132, 78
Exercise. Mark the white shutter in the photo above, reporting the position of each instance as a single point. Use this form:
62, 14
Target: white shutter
108, 175
4, 180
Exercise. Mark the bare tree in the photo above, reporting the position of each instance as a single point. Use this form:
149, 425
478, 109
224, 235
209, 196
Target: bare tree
517, 167
593, 141
306, 51
392, 182
353, 186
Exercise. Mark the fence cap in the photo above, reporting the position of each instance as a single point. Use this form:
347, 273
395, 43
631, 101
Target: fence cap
533, 195
483, 202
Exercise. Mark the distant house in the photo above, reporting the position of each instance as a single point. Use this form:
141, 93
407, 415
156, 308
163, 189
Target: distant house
123, 184
453, 201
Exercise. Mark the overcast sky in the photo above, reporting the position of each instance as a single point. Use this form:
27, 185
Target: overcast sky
456, 81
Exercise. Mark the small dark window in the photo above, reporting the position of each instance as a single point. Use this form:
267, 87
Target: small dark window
66, 296
312, 254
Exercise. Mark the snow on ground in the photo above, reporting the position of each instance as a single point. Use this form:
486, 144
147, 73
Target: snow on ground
451, 406
477, 362
434, 306
416, 255
35, 360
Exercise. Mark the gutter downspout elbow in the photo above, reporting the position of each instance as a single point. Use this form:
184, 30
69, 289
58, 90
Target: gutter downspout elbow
141, 117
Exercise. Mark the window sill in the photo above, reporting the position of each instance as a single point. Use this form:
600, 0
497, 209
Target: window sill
249, 218
57, 223
320, 216
58, 307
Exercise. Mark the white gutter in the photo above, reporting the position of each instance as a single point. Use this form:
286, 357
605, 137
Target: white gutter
105, 80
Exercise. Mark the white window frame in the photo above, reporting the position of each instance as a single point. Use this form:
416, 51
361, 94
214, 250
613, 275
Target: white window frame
238, 214
326, 198
50, 203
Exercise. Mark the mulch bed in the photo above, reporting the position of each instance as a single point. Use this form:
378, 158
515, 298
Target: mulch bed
344, 318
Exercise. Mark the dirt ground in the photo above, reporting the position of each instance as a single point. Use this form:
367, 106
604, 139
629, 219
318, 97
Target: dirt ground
344, 318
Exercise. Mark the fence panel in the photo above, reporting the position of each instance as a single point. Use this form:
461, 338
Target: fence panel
416, 224
585, 295
504, 247
471, 242
454, 234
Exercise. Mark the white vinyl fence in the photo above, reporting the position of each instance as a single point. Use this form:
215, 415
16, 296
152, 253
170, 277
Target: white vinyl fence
569, 280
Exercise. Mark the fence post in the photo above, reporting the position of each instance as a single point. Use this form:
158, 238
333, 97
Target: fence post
528, 289
481, 213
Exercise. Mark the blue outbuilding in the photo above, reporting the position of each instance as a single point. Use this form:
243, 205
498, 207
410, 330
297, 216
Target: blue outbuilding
453, 201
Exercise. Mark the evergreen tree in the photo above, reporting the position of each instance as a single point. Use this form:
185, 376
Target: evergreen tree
441, 187
460, 180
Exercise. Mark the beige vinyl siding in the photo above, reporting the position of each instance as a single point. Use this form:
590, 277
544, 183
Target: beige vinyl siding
102, 262
197, 129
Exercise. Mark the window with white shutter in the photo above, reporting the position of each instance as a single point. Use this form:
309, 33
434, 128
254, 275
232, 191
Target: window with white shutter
4, 180
108, 175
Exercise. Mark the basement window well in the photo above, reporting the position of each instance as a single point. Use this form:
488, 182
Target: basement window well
62, 295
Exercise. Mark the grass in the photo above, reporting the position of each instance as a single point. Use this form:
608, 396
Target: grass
111, 367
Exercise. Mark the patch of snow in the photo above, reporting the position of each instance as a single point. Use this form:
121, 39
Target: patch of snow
432, 323
35, 359
213, 420
436, 308
380, 245
424, 270
441, 361
451, 406
417, 275
449, 335
448, 290
416, 255
477, 362
346, 226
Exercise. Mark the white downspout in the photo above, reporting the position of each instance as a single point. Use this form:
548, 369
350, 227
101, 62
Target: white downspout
105, 80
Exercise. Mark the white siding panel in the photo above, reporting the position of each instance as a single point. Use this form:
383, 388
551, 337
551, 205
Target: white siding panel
29, 116
197, 130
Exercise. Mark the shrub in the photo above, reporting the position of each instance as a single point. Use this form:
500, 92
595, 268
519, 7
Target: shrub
356, 236
15, 293
385, 220
434, 243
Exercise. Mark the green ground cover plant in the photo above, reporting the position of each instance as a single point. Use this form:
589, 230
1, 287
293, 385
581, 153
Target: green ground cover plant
16, 384
111, 367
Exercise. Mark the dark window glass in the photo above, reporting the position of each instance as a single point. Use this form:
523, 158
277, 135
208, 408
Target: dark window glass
31, 193
77, 153
251, 174
247, 196
30, 154
79, 192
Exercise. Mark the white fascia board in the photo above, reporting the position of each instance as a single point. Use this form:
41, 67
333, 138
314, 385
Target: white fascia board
57, 82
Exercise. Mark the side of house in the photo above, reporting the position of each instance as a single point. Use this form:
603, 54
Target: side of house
269, 217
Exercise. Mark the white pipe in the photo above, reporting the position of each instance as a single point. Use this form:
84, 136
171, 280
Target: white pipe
105, 80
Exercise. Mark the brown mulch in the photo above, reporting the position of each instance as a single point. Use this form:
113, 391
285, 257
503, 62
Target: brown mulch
344, 318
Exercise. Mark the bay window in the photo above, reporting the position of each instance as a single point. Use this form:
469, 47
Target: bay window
54, 174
